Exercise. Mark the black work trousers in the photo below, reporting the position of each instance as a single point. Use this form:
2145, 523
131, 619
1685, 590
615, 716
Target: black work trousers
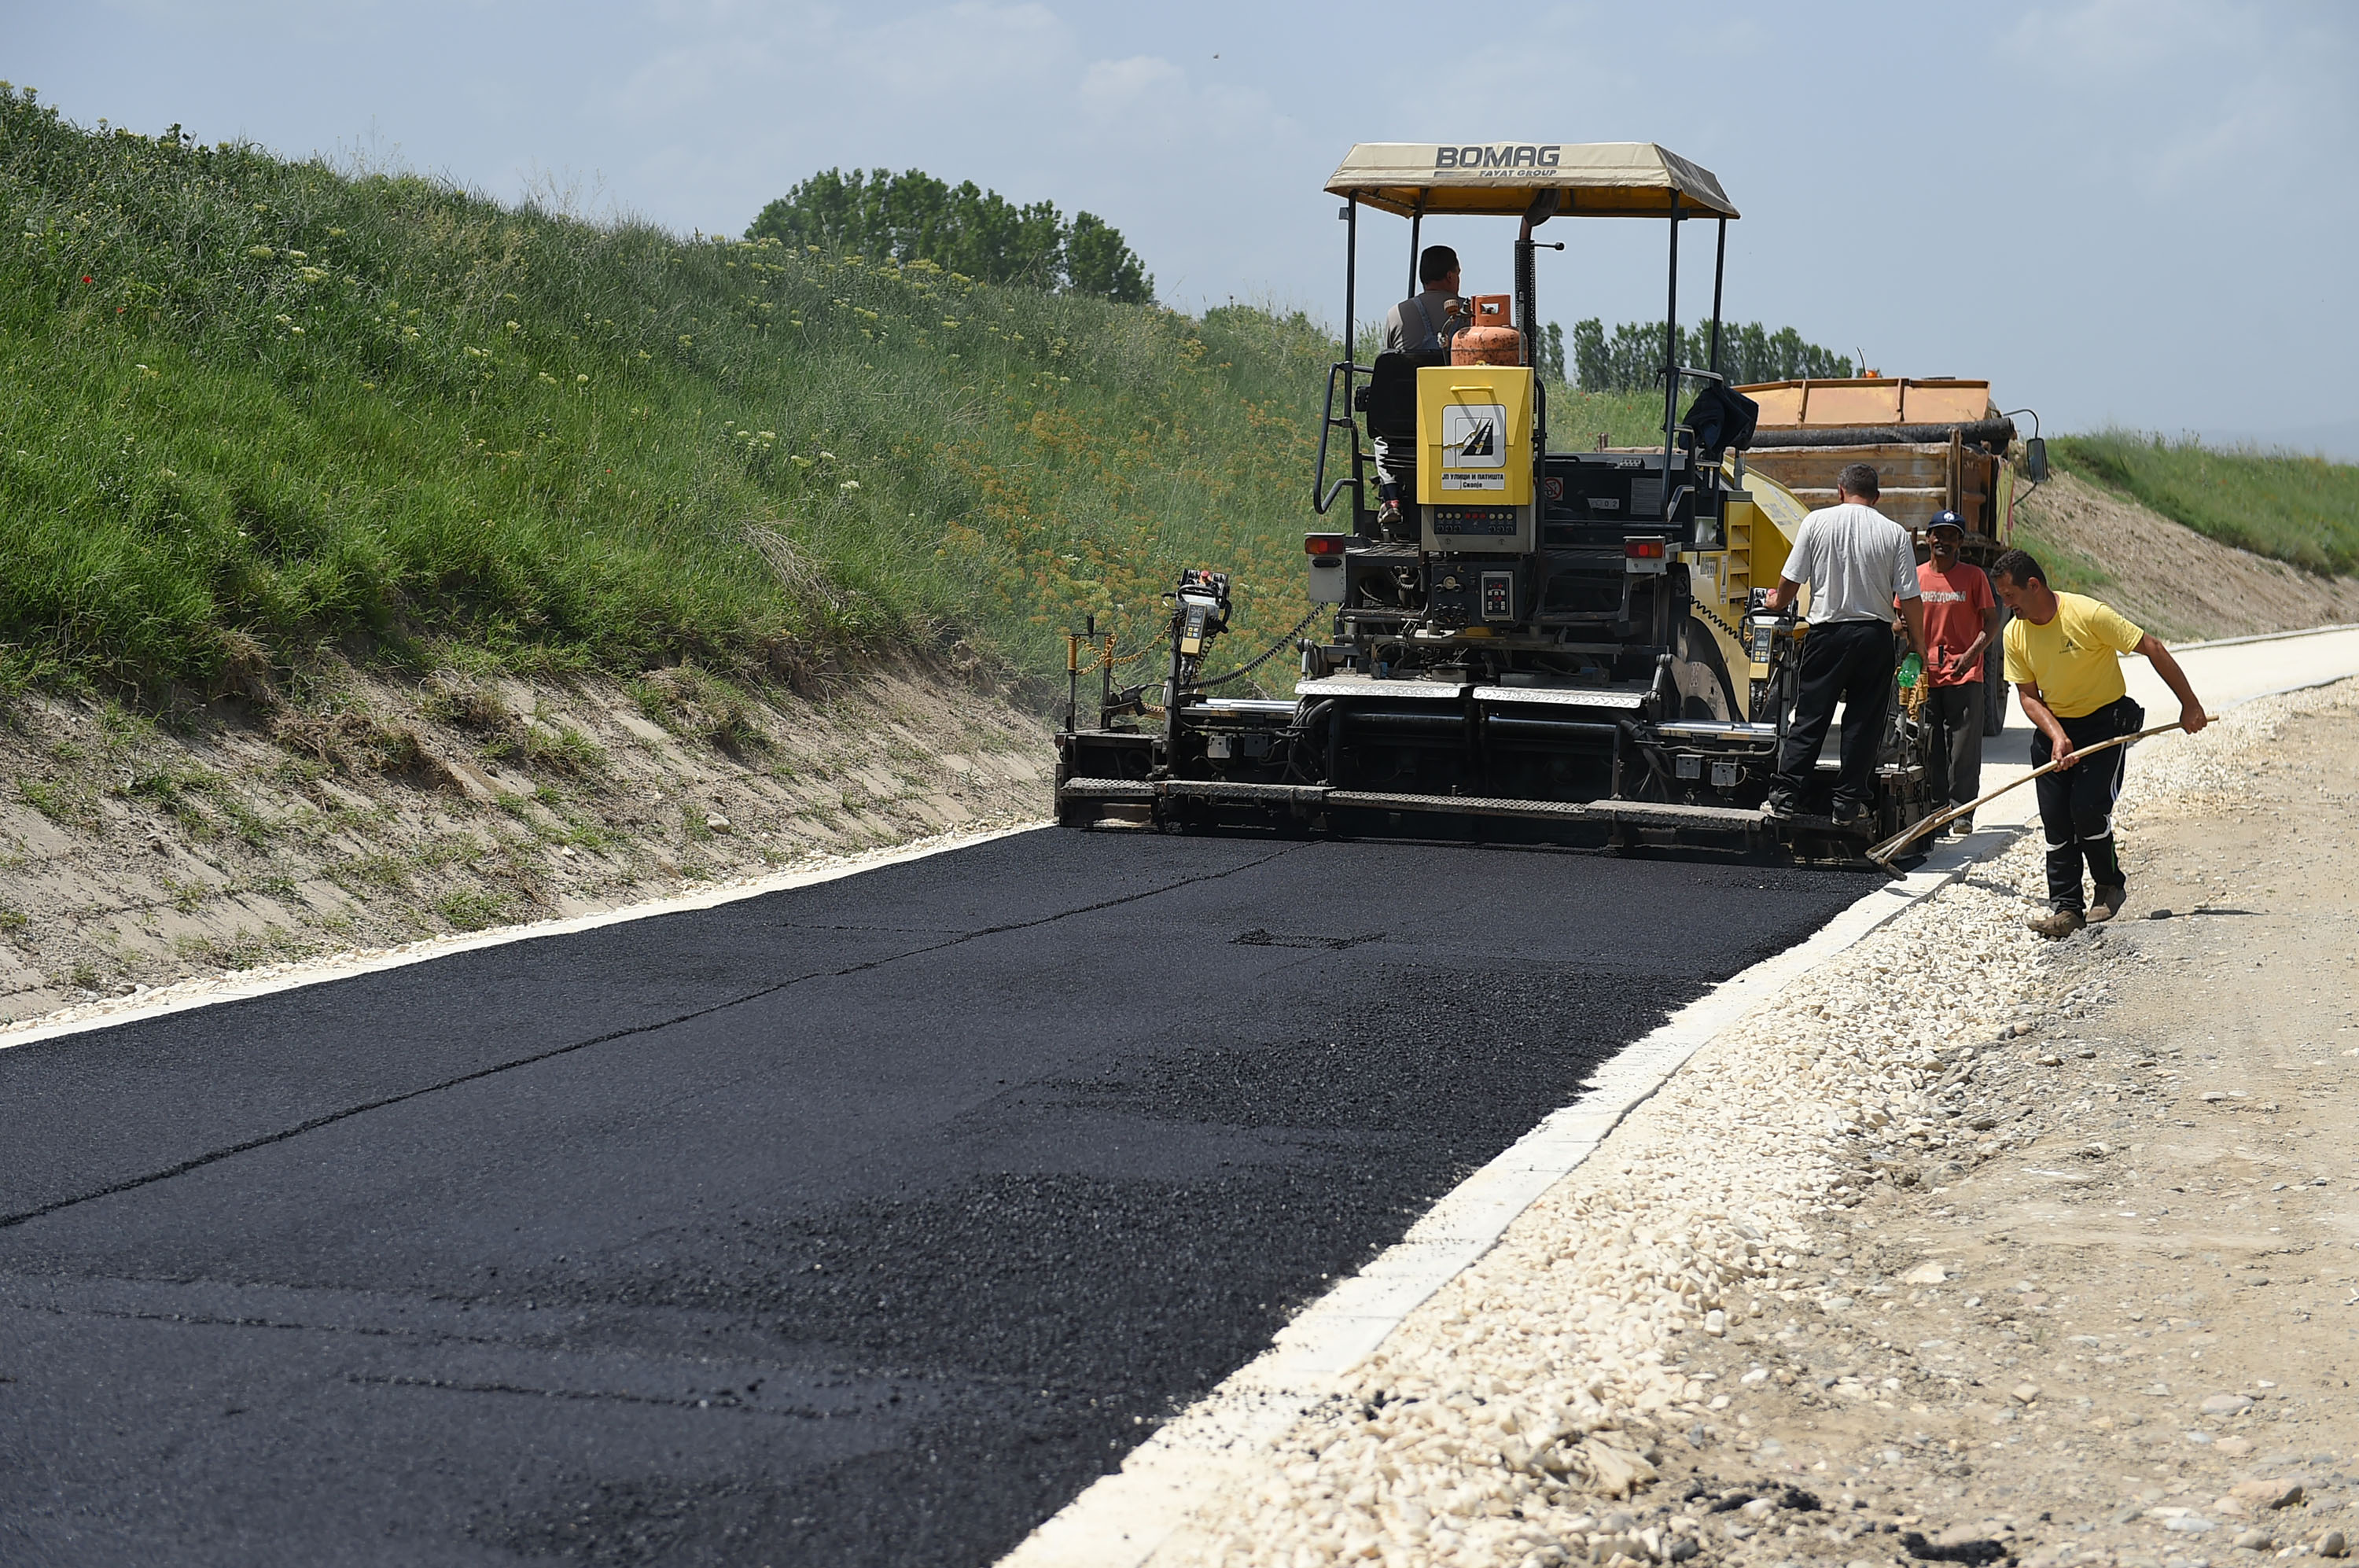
1849, 662
1956, 713
2076, 803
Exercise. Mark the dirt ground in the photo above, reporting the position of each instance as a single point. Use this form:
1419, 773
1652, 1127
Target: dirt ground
374, 812
2126, 1328
2171, 579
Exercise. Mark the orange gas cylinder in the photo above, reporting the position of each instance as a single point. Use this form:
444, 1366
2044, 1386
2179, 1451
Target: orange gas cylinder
1490, 340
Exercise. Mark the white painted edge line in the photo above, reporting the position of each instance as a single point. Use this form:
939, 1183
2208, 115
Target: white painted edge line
2296, 686
106, 1013
1123, 1517
2266, 636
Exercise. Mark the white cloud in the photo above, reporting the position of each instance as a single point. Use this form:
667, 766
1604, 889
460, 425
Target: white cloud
1111, 85
2141, 207
2229, 103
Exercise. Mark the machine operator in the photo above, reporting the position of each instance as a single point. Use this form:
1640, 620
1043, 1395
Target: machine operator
1422, 327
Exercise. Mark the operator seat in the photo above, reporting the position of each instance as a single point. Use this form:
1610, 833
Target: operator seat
1390, 400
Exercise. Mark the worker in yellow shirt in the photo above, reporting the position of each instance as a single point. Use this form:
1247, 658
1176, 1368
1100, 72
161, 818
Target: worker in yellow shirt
2063, 658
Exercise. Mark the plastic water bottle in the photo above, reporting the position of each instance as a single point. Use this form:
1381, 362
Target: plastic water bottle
1911, 668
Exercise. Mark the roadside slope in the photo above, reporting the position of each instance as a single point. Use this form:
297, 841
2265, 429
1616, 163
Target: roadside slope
2166, 576
133, 855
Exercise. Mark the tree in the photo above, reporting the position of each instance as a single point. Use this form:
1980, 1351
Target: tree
1631, 360
1551, 347
1097, 262
912, 216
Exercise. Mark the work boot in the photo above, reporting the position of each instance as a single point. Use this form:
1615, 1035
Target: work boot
2107, 903
1963, 826
2058, 923
1849, 814
1392, 526
1780, 809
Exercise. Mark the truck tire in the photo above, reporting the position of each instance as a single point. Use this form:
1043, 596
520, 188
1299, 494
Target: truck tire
1702, 674
1994, 687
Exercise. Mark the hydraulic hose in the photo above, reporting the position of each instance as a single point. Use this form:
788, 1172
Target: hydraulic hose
1267, 654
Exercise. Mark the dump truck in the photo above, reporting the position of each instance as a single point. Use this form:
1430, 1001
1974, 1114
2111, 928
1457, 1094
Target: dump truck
1937, 445
1555, 645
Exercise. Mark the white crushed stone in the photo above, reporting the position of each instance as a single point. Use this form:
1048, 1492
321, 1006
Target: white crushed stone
1501, 1421
2179, 775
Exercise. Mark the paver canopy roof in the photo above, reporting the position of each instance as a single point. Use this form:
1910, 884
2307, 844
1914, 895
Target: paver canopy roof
1628, 180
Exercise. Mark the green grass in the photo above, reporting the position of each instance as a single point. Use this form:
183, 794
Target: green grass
2067, 567
2304, 510
263, 409
472, 910
1576, 419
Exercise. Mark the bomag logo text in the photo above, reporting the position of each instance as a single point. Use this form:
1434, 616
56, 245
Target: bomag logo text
1503, 155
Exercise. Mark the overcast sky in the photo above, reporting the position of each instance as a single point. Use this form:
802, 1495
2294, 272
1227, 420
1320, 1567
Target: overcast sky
2134, 212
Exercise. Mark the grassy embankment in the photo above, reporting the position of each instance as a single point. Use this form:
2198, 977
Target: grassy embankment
262, 409
2301, 510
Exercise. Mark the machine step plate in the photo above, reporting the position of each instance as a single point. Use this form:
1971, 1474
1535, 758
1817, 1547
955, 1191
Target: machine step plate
1657, 814
1460, 805
1356, 685
1105, 789
1266, 707
1701, 729
1254, 794
1627, 700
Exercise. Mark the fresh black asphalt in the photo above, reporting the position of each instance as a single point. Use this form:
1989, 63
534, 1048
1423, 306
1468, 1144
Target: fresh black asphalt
863, 1222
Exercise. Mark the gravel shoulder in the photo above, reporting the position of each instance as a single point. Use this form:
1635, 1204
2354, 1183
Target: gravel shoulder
1972, 1248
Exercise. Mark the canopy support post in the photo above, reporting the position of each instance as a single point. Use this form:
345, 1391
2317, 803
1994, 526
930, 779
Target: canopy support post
1672, 363
1719, 270
1351, 281
1362, 516
1416, 227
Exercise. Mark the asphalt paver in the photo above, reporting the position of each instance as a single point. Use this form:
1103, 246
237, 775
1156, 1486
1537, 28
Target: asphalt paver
863, 1222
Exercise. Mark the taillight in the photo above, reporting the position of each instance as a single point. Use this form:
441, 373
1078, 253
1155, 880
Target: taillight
1323, 544
1646, 548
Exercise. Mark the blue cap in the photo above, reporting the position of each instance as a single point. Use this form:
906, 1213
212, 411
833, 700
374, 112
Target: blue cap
1946, 521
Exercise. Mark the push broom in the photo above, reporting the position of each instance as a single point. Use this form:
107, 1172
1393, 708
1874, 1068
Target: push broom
1882, 853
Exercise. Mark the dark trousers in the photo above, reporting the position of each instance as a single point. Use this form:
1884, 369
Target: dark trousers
1956, 713
2076, 803
1846, 662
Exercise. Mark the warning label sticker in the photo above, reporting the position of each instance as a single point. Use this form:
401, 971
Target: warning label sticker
1474, 481
1473, 435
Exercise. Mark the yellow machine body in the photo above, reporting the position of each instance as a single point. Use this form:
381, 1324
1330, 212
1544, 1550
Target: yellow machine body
1474, 434
1763, 517
1474, 458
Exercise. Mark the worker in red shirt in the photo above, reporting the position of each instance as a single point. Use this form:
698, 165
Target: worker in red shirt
1961, 620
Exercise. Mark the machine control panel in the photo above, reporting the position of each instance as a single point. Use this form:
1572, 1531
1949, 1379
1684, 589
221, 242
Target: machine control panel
1503, 520
1468, 593
1498, 595
1488, 530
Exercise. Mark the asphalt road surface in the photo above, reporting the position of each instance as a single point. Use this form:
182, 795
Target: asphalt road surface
866, 1223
